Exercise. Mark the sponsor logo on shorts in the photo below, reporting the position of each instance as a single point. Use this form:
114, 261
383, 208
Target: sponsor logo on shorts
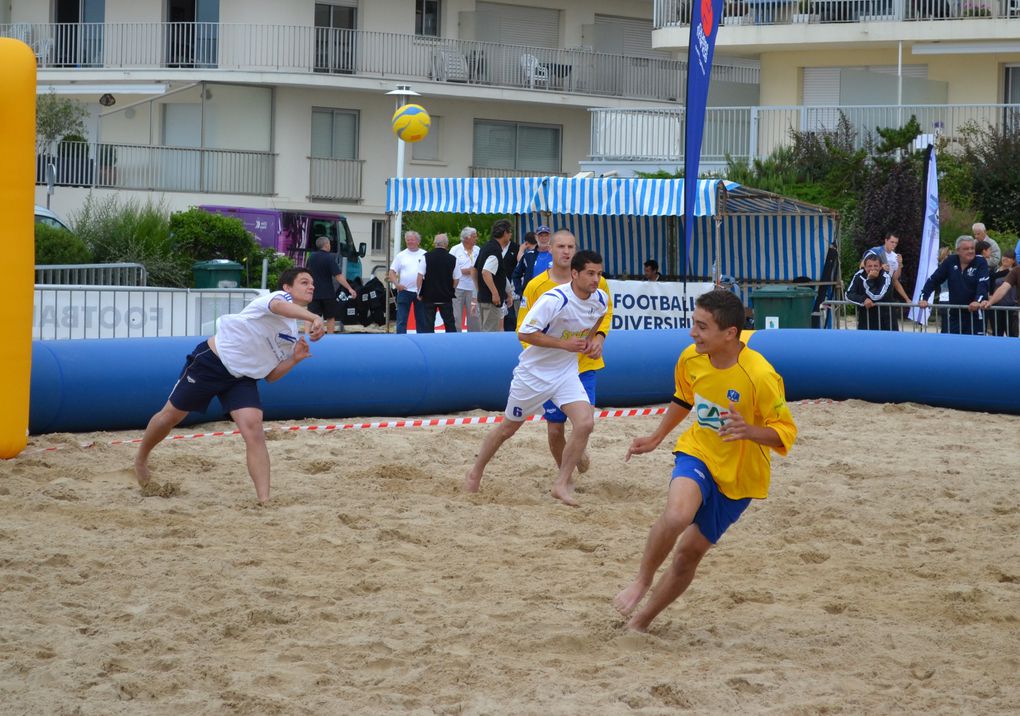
700, 474
709, 414
190, 379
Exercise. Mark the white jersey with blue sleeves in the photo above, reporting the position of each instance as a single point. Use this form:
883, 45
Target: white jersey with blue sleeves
561, 313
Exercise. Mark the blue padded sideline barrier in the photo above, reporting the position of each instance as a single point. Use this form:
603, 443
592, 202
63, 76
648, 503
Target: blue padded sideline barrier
85, 385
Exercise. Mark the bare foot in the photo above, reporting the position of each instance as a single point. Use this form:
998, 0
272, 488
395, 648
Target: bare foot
629, 598
565, 495
142, 472
584, 463
472, 481
635, 625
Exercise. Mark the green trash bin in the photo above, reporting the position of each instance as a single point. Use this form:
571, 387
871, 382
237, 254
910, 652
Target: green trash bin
217, 273
783, 306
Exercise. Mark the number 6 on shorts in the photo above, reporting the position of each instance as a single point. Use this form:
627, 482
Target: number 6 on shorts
518, 413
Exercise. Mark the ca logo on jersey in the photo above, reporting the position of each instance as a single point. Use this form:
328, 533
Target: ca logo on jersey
709, 414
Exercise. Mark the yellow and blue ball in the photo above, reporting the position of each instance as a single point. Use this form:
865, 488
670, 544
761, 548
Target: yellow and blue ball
411, 123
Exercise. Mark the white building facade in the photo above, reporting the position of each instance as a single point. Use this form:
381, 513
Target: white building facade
270, 104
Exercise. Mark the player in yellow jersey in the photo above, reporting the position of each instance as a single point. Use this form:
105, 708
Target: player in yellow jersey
722, 460
562, 247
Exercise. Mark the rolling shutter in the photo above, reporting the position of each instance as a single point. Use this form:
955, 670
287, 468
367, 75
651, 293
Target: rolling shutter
518, 25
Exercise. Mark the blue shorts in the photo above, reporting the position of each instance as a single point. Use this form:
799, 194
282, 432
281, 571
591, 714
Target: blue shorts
204, 377
554, 415
717, 511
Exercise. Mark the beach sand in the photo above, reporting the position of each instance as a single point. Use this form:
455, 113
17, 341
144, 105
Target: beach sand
881, 576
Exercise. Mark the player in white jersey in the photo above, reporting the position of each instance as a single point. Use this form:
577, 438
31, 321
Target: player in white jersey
561, 324
259, 342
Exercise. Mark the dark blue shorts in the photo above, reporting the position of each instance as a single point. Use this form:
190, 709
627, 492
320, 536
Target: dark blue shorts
554, 415
717, 511
204, 377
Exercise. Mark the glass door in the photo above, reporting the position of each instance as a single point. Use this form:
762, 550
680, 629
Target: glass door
335, 38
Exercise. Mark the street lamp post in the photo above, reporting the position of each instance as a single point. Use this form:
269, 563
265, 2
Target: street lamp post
400, 94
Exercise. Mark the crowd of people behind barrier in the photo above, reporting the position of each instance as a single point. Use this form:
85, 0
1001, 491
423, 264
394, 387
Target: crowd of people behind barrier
967, 282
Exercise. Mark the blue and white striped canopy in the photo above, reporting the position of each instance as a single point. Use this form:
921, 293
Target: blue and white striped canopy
606, 196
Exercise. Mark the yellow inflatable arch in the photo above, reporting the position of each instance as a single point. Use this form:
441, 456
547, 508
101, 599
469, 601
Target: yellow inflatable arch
17, 187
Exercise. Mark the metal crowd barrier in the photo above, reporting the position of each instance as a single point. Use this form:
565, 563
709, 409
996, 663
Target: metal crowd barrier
942, 318
114, 274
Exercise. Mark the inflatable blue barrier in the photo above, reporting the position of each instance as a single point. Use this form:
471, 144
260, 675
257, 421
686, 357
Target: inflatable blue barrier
84, 385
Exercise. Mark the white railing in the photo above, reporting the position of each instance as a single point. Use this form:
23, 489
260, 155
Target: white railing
496, 172
306, 49
335, 179
747, 133
676, 13
111, 274
132, 166
62, 312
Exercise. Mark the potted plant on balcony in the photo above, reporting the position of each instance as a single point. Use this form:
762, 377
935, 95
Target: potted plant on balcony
976, 9
805, 12
735, 13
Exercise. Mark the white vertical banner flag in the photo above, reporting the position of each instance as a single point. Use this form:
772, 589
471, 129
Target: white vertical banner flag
928, 259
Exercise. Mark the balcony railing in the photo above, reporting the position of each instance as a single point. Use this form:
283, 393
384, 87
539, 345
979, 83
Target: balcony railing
335, 179
305, 49
747, 133
676, 13
132, 166
494, 172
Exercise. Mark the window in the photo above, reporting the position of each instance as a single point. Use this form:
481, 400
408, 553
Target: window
427, 150
378, 235
510, 145
334, 134
426, 17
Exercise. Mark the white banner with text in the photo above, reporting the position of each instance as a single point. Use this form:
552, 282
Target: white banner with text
647, 305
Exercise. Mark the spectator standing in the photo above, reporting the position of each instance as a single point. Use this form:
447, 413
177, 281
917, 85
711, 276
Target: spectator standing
436, 286
510, 263
1006, 279
404, 277
981, 234
494, 294
323, 267
652, 270
465, 302
533, 262
967, 276
891, 262
869, 287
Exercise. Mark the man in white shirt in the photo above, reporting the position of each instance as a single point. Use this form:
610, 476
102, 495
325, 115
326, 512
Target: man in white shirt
495, 292
561, 324
259, 342
466, 299
404, 277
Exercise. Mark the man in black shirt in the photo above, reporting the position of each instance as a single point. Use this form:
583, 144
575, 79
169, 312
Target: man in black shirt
324, 269
437, 286
491, 270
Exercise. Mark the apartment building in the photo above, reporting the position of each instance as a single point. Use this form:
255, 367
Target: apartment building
279, 104
876, 62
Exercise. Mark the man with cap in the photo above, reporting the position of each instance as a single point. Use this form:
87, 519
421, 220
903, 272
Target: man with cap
534, 262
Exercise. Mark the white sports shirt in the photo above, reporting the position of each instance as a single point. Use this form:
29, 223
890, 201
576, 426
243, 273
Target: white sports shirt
559, 312
251, 343
406, 267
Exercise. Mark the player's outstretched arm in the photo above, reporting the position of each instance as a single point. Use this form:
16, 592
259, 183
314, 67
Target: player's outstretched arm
284, 367
675, 414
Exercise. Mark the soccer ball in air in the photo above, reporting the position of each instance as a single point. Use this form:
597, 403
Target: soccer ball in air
411, 123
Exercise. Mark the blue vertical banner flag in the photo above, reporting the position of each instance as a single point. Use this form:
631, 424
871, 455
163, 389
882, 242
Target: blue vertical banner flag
927, 260
705, 17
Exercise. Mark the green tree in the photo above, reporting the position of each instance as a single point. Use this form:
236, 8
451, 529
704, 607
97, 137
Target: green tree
994, 156
428, 224
57, 246
57, 117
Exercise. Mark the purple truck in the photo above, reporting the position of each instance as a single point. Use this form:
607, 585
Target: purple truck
294, 233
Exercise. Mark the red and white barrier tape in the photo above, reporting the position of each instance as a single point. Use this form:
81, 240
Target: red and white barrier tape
412, 423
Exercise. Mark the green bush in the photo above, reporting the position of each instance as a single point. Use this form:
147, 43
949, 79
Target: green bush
994, 156
117, 231
198, 235
57, 246
429, 224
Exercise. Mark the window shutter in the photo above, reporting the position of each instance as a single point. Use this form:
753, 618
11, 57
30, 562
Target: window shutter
518, 25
